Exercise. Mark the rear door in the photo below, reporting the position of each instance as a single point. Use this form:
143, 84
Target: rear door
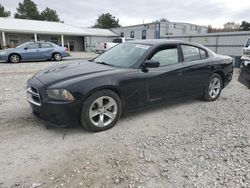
46, 50
165, 81
196, 69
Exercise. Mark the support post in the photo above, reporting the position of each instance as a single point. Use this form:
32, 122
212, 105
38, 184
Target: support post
4, 39
62, 40
35, 37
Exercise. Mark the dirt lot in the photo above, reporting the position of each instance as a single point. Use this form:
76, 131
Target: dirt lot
189, 143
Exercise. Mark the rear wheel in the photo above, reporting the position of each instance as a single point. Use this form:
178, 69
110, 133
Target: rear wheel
213, 88
57, 57
101, 111
14, 58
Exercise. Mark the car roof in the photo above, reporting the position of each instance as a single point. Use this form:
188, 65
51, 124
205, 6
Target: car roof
163, 41
156, 42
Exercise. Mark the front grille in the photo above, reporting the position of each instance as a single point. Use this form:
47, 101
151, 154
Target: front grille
33, 96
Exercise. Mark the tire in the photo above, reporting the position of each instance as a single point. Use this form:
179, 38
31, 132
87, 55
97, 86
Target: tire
14, 58
57, 57
101, 111
213, 88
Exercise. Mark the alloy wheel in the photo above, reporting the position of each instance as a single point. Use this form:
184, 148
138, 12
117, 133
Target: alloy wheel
14, 58
58, 57
103, 111
214, 87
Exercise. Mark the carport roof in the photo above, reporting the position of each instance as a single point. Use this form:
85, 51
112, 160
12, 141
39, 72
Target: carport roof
46, 27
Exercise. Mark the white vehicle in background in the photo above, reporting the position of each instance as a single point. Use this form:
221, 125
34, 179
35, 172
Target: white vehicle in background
246, 51
102, 47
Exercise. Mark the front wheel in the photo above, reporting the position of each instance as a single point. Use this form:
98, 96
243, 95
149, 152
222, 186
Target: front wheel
101, 111
14, 58
213, 88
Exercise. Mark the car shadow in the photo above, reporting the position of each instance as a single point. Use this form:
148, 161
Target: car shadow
163, 106
72, 130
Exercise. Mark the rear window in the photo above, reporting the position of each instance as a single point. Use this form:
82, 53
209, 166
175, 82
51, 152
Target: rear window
117, 40
192, 53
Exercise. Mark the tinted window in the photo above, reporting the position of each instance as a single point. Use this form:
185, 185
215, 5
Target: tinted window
46, 45
117, 40
33, 46
191, 53
166, 56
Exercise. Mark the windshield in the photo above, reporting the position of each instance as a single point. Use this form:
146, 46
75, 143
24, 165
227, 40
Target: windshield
247, 43
123, 55
22, 45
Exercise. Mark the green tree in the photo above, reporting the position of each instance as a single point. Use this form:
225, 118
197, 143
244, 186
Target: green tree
3, 12
231, 26
27, 10
107, 21
50, 15
245, 26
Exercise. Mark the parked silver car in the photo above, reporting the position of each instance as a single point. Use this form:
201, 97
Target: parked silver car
34, 51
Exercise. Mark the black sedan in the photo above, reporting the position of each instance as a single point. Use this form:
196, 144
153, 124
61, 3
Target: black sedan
244, 77
128, 77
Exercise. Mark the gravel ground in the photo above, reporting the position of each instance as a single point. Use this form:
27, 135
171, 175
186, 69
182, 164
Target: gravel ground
188, 143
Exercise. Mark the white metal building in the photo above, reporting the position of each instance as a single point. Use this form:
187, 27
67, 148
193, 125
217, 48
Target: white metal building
156, 30
17, 31
227, 43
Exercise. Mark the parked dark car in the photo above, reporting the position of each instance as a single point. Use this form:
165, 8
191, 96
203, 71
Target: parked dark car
128, 77
34, 51
244, 77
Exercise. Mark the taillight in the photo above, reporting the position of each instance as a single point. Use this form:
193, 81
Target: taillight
66, 49
105, 45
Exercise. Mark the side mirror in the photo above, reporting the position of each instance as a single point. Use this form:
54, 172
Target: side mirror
151, 64
26, 48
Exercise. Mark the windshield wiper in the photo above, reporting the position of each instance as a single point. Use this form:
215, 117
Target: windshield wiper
103, 63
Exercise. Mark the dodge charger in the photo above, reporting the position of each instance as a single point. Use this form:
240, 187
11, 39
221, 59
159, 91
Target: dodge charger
128, 77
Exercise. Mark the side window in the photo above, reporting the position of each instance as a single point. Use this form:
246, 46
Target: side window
144, 34
191, 53
33, 46
132, 34
46, 45
203, 54
166, 56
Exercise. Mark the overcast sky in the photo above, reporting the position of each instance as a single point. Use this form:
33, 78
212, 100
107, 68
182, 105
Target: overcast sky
84, 13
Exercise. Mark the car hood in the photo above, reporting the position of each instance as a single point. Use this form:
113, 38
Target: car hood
8, 50
63, 72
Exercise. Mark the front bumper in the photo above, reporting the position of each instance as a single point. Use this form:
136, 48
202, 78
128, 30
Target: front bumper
56, 113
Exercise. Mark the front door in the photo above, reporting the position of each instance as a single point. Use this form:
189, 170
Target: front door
165, 81
31, 51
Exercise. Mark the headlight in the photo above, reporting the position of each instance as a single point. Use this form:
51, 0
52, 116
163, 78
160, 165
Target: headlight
60, 94
3, 52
